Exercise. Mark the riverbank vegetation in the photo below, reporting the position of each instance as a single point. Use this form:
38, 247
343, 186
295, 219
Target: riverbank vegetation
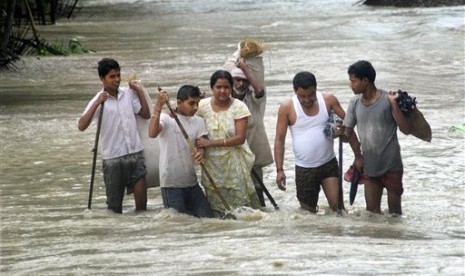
19, 18
19, 34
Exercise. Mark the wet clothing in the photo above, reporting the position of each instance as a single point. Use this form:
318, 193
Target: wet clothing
229, 167
308, 181
377, 131
118, 132
257, 138
177, 169
311, 146
122, 148
392, 181
256, 133
178, 178
188, 200
122, 173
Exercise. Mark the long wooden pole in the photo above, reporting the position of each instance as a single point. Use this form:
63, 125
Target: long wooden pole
94, 162
192, 148
262, 185
340, 205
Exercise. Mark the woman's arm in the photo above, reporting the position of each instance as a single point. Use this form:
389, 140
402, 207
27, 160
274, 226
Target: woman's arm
238, 139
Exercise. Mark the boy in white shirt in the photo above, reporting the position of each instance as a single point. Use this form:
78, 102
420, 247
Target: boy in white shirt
178, 180
123, 158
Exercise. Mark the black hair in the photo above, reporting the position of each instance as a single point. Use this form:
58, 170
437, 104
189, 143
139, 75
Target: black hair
187, 91
221, 74
304, 80
362, 69
105, 65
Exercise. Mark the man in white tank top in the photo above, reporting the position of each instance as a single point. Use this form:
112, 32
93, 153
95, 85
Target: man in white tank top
306, 115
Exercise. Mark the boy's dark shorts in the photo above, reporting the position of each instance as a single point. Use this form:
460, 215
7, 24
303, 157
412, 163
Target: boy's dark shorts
308, 181
189, 200
122, 173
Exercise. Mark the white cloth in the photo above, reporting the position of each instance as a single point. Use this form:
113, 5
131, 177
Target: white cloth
237, 72
256, 132
151, 147
177, 169
118, 133
255, 64
311, 146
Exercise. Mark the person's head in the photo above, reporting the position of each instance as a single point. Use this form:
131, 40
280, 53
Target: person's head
305, 88
109, 72
221, 83
361, 74
241, 83
188, 100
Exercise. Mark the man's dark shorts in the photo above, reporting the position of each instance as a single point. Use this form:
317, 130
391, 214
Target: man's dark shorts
392, 181
308, 181
122, 173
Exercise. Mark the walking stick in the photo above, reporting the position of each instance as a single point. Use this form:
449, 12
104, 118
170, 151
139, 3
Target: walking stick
340, 205
99, 124
191, 146
262, 185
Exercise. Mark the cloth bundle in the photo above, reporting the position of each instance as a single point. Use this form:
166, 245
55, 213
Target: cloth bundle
332, 122
405, 102
420, 127
251, 52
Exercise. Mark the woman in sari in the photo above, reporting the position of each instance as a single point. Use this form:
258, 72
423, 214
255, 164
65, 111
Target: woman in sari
229, 159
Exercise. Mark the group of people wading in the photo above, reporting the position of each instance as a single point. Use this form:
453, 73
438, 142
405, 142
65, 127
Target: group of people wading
225, 134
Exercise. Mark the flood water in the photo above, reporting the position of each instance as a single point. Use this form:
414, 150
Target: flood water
46, 228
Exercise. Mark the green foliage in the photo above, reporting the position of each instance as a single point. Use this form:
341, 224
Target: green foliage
457, 129
75, 46
59, 48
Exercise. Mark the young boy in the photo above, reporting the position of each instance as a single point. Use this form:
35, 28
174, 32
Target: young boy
123, 159
377, 116
178, 180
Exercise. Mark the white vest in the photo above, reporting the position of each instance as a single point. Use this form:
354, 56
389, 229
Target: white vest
311, 146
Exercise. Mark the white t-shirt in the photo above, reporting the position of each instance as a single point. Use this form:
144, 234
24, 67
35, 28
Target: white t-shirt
118, 132
177, 168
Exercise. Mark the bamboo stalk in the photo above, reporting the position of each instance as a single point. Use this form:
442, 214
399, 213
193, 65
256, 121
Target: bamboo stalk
94, 160
31, 20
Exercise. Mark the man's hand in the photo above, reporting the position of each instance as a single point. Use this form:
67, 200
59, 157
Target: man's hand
281, 180
393, 95
339, 130
358, 164
240, 63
